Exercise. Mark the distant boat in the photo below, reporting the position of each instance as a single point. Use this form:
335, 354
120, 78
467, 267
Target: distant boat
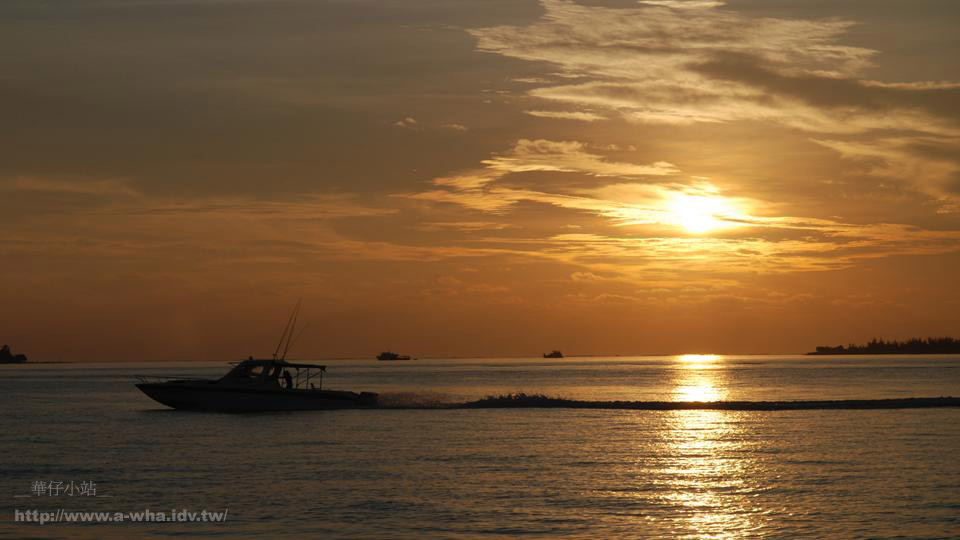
388, 356
554, 354
6, 357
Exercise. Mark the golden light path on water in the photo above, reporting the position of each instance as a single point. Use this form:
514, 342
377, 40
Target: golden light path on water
709, 478
697, 378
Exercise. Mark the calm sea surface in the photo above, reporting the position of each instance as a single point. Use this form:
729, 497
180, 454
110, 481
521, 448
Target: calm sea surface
501, 472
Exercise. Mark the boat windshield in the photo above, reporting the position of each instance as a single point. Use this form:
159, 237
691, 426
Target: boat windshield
246, 370
276, 373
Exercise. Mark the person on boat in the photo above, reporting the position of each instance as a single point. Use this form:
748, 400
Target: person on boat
287, 379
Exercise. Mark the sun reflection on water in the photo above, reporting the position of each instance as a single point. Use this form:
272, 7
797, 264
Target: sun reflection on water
706, 475
708, 484
700, 390
699, 378
699, 359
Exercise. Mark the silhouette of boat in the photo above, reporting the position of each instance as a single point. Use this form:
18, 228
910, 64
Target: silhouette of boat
554, 354
388, 356
6, 357
255, 386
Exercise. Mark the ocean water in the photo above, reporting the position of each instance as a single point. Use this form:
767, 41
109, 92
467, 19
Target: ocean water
496, 473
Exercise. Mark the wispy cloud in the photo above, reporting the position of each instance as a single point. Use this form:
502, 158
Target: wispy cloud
77, 186
652, 216
683, 63
826, 246
568, 115
684, 4
482, 189
931, 161
569, 156
464, 226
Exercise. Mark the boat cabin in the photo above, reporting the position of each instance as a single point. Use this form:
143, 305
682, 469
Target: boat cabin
275, 374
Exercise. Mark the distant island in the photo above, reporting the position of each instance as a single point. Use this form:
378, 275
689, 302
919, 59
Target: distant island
940, 345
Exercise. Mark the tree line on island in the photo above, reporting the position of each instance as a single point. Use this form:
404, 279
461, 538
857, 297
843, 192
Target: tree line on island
931, 345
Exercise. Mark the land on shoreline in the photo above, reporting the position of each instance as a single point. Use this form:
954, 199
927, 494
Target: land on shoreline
941, 345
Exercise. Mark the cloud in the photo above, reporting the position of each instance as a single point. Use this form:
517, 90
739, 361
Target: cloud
531, 80
81, 186
654, 44
631, 198
197, 235
464, 226
482, 190
39, 198
307, 207
656, 244
569, 156
653, 64
679, 63
411, 123
586, 276
684, 4
826, 246
930, 161
568, 115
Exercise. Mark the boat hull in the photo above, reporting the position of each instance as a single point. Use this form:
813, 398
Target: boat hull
220, 398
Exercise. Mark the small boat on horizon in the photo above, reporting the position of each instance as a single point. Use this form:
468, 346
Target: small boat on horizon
388, 356
554, 354
7, 357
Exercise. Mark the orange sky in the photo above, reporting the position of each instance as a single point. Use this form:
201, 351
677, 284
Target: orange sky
476, 178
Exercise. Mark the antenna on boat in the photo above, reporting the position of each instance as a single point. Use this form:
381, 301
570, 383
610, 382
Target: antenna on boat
290, 338
294, 341
288, 329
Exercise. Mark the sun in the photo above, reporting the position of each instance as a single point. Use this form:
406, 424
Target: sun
698, 213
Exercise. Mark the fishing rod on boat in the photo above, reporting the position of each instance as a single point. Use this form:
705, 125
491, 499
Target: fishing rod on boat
296, 315
292, 342
287, 329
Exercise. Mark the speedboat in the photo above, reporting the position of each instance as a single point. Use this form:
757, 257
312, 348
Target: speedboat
256, 386
554, 354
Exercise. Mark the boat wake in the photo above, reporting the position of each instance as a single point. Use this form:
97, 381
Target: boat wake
417, 400
427, 400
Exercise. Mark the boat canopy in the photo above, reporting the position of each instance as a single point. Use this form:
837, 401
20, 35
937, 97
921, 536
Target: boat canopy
273, 373
251, 362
